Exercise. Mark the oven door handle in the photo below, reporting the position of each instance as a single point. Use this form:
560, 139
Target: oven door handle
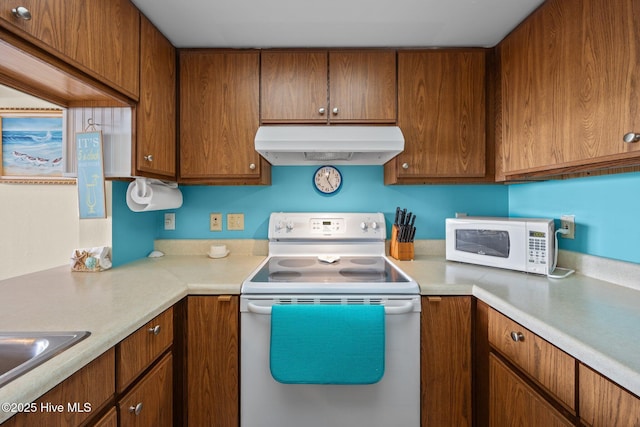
406, 307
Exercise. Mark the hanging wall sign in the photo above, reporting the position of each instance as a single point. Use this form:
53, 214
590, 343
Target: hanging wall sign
91, 197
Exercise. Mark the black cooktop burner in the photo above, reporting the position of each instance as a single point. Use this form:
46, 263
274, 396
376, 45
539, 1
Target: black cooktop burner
296, 262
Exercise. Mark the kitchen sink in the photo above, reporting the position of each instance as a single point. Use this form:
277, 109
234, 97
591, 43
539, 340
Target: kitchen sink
22, 351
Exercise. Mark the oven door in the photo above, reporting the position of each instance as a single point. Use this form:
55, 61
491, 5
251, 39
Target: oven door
393, 401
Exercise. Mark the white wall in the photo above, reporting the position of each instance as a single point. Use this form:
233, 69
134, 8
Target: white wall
39, 227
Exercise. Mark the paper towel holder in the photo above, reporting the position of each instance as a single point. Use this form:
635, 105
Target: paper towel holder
148, 194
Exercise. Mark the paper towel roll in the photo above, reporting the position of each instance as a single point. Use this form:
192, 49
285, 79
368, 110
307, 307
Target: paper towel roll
152, 195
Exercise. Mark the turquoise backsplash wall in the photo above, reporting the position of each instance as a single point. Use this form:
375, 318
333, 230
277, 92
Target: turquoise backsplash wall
362, 190
607, 209
132, 233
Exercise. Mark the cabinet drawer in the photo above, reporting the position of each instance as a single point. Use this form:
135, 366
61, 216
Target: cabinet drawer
136, 352
543, 362
91, 385
150, 402
604, 403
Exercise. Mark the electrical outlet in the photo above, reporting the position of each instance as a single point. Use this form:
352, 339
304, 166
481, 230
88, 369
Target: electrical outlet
568, 222
235, 221
215, 222
170, 221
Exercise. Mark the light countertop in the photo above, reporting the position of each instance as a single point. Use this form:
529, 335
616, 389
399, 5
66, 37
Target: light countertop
593, 320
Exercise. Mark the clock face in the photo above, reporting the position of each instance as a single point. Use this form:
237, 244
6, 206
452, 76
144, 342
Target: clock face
327, 180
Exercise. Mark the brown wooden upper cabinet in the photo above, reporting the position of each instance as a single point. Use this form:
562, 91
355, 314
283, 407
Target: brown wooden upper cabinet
100, 38
313, 86
570, 89
219, 117
156, 110
442, 115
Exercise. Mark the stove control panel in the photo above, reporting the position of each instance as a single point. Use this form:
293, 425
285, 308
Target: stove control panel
327, 225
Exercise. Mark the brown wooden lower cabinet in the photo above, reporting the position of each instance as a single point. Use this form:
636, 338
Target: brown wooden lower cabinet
212, 395
110, 419
446, 362
150, 402
605, 404
94, 385
514, 403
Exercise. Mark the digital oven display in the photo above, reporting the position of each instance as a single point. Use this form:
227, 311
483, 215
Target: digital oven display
540, 234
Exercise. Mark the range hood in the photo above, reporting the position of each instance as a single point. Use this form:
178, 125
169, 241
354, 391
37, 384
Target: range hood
337, 145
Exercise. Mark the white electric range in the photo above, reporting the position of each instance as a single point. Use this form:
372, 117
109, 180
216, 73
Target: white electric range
330, 259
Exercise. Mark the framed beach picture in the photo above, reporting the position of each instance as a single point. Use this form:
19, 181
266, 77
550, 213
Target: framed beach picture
32, 146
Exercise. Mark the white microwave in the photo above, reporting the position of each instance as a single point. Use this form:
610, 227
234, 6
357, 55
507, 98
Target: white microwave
523, 244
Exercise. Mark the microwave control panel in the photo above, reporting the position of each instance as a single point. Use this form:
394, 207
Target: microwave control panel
538, 251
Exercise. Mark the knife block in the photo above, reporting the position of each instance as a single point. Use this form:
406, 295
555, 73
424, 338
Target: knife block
402, 251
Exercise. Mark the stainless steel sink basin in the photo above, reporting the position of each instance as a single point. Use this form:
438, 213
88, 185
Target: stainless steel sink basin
23, 351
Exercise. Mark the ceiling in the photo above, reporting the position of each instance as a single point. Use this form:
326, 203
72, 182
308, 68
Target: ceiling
336, 23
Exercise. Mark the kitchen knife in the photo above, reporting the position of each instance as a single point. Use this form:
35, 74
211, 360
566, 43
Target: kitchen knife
397, 216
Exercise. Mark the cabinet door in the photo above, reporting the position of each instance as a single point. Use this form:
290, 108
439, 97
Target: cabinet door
362, 86
442, 114
110, 419
446, 361
219, 117
605, 404
156, 110
212, 361
294, 86
47, 23
570, 88
150, 401
101, 38
514, 403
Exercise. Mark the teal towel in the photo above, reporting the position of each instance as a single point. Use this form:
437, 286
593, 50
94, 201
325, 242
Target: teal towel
327, 344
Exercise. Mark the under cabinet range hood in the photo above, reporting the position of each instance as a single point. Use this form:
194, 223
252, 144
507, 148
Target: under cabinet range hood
338, 145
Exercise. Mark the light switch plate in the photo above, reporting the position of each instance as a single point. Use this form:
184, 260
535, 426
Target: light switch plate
235, 221
170, 221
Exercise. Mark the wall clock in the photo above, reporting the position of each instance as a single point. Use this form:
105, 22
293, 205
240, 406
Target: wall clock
327, 180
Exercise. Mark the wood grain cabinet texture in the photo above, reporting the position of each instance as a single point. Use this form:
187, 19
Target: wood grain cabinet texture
219, 117
569, 89
442, 114
319, 86
150, 402
543, 362
110, 419
100, 38
94, 384
213, 361
604, 403
446, 362
156, 109
514, 403
140, 349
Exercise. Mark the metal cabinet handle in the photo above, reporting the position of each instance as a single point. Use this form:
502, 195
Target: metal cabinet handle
322, 110
405, 166
22, 13
252, 166
631, 137
517, 336
136, 409
335, 111
154, 330
149, 157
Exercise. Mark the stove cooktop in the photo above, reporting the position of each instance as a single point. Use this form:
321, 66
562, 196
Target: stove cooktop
348, 274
